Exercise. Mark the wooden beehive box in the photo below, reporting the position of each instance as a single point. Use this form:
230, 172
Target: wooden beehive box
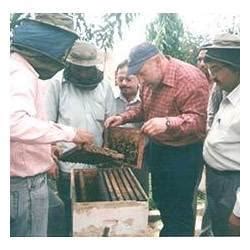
107, 202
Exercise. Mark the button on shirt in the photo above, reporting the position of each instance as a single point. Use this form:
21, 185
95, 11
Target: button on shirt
80, 108
30, 132
182, 97
122, 104
222, 145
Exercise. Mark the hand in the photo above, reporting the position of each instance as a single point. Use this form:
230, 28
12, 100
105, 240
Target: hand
154, 126
55, 151
53, 170
113, 121
83, 137
234, 225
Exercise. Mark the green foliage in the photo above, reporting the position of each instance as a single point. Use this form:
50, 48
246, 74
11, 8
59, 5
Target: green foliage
168, 34
102, 34
165, 32
109, 26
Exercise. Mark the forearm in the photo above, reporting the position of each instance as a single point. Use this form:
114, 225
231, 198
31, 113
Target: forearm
187, 125
134, 114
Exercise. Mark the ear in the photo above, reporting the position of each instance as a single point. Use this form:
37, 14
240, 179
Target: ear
158, 61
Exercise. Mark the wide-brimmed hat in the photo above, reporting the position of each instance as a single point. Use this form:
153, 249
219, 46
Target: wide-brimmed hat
225, 48
58, 20
86, 55
50, 34
224, 41
139, 55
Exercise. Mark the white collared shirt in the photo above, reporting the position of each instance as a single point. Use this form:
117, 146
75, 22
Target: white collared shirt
122, 104
88, 109
222, 145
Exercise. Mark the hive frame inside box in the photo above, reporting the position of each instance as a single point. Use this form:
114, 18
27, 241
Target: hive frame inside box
127, 134
120, 218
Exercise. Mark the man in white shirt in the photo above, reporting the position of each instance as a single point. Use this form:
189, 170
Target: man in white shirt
221, 150
129, 91
78, 96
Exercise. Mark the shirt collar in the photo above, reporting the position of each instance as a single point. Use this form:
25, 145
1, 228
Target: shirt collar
19, 58
234, 96
137, 98
169, 72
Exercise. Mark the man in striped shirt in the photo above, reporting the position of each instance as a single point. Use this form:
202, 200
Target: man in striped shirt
173, 106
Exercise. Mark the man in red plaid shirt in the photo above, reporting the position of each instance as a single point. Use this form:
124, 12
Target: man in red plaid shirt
173, 107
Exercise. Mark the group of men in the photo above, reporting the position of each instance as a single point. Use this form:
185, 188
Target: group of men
163, 96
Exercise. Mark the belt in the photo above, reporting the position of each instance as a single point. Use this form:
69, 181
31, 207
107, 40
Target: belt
28, 177
219, 172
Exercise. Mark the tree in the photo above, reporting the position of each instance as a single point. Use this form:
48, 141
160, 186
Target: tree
165, 32
168, 34
102, 34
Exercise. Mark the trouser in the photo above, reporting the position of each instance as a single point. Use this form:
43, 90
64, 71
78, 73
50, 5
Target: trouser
56, 219
174, 175
28, 206
221, 196
63, 186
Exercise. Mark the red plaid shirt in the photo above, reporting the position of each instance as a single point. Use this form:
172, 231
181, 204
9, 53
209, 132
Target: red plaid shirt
183, 98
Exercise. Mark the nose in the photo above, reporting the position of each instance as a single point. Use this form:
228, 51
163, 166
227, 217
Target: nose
123, 82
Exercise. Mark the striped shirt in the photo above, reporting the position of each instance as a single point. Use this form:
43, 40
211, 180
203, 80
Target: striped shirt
182, 97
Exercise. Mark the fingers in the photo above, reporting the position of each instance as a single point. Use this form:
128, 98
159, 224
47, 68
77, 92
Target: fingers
113, 121
147, 128
154, 126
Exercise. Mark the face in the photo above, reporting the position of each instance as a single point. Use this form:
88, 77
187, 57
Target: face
224, 76
83, 73
127, 84
201, 63
46, 67
151, 73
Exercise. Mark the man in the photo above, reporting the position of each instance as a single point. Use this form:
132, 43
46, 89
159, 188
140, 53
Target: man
128, 97
222, 145
174, 100
39, 48
78, 96
129, 91
202, 65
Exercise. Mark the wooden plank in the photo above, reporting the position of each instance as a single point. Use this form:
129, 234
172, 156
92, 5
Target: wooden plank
109, 186
133, 184
139, 187
127, 184
103, 190
120, 183
82, 187
114, 185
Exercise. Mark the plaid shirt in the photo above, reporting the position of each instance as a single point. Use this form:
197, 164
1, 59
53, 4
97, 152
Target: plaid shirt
182, 97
